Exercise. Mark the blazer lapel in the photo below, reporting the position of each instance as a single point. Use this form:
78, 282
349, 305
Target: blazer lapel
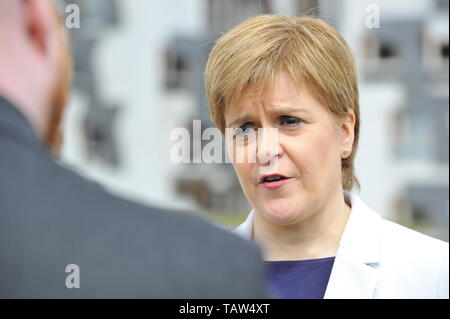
245, 230
351, 279
354, 273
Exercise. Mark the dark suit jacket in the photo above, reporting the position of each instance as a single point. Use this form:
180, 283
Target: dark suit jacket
50, 217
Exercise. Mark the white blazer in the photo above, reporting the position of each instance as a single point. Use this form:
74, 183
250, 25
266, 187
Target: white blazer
377, 258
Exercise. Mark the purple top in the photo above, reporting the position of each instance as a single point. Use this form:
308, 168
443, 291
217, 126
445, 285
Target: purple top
299, 279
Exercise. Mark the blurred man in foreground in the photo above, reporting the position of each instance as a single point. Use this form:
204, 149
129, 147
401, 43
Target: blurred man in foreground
53, 221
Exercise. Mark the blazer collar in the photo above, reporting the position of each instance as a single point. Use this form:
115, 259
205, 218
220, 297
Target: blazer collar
361, 234
13, 124
354, 273
245, 230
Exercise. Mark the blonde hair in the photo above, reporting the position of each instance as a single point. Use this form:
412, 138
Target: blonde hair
311, 51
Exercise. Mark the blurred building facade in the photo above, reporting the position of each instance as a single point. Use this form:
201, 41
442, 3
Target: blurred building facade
139, 74
403, 158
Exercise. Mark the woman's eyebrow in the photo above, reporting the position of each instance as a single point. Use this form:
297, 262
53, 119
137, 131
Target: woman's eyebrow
273, 109
238, 120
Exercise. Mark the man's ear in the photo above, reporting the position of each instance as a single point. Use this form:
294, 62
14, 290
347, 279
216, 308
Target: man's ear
38, 24
348, 130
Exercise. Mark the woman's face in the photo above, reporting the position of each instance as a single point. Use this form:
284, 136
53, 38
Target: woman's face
306, 151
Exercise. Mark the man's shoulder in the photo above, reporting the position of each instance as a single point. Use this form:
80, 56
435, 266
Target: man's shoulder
169, 222
50, 210
68, 190
177, 223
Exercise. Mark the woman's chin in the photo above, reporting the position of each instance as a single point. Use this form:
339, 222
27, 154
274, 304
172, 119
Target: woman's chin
280, 212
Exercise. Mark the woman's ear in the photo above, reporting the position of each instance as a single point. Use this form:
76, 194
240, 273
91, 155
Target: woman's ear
348, 131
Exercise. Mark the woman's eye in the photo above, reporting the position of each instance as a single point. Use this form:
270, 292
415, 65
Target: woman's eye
290, 121
245, 129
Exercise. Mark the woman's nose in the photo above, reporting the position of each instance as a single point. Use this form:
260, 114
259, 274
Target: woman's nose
268, 145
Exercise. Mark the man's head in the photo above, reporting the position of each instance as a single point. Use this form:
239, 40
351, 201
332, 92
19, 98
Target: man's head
35, 63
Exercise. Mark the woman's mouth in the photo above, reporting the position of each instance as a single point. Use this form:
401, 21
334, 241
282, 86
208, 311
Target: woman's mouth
273, 181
